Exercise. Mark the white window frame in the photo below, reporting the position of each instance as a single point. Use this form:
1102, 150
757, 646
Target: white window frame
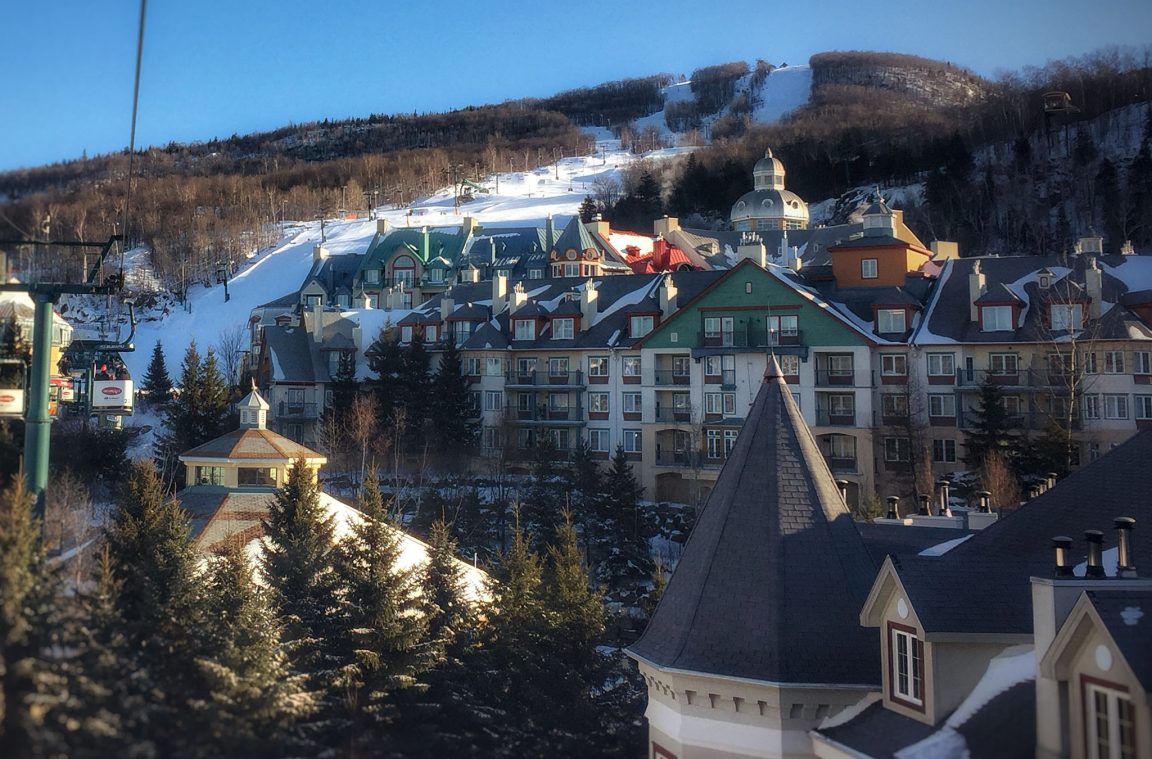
1142, 362
1092, 406
907, 653
633, 441
941, 405
598, 403
472, 366
493, 367
1115, 406
627, 363
783, 325
996, 318
869, 268
891, 321
1003, 364
789, 365
563, 329
937, 362
944, 451
893, 405
712, 366
597, 366
1142, 406
599, 440
1114, 701
493, 400
558, 367
1066, 317
893, 365
714, 403
632, 403
1113, 362
525, 329
639, 326
897, 450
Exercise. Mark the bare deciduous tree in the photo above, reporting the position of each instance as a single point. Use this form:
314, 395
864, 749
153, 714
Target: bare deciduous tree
230, 346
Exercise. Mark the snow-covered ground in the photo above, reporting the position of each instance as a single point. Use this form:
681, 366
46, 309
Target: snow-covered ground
523, 199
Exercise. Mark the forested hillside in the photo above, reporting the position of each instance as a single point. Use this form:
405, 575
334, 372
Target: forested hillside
997, 174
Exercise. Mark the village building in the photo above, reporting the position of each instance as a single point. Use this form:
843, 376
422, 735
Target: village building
769, 206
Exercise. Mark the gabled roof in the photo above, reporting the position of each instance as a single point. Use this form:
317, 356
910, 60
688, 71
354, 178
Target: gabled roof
294, 355
576, 236
1127, 615
772, 577
999, 293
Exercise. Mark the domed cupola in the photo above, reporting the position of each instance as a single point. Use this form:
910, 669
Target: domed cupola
769, 206
768, 172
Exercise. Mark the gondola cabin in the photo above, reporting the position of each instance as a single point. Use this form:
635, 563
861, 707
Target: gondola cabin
13, 388
112, 390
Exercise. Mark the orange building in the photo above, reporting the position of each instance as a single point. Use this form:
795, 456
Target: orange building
878, 257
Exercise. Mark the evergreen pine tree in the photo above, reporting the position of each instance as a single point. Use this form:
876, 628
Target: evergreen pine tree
28, 595
385, 359
451, 406
383, 624
545, 498
157, 384
515, 630
588, 209
254, 698
990, 428
344, 385
298, 565
414, 389
213, 411
628, 555
445, 608
584, 487
181, 425
576, 612
158, 606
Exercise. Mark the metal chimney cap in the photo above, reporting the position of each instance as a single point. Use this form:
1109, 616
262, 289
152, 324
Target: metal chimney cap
1094, 536
1062, 541
1124, 523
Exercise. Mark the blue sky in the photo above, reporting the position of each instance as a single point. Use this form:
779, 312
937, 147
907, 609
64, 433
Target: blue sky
217, 67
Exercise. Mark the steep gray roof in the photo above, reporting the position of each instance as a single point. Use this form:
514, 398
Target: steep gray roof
294, 355
947, 319
987, 576
772, 579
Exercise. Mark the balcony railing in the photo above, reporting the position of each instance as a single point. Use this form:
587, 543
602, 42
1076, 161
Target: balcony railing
544, 413
1020, 378
1032, 421
670, 377
748, 338
289, 410
544, 379
835, 377
835, 417
665, 414
841, 463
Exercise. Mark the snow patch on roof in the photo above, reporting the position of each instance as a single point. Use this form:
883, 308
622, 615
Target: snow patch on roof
942, 548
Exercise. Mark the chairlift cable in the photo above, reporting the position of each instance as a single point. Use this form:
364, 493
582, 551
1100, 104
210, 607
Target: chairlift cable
132, 135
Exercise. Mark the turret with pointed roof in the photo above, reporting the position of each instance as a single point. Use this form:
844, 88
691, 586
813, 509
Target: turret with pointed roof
763, 605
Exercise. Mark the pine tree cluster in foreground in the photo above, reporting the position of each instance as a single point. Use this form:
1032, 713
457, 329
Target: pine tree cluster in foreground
327, 648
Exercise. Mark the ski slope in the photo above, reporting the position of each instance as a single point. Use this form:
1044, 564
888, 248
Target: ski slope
524, 199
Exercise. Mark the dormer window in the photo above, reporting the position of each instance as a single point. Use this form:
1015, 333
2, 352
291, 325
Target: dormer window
525, 329
640, 326
406, 334
996, 318
1067, 317
461, 331
562, 329
436, 275
431, 333
869, 268
404, 271
891, 320
1109, 721
372, 276
906, 666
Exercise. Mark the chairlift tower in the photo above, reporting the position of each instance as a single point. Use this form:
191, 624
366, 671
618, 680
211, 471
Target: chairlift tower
45, 270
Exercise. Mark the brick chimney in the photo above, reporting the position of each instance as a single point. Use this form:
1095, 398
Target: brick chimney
976, 288
752, 247
1094, 285
519, 297
665, 225
667, 298
499, 293
588, 305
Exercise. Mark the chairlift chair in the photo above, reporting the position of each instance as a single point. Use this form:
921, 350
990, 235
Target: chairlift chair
13, 384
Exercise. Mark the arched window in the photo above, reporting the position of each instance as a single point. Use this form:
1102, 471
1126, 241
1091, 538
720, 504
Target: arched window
404, 271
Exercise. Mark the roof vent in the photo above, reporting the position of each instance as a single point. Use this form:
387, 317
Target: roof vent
925, 510
1095, 540
1063, 546
943, 487
893, 507
1124, 567
984, 498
